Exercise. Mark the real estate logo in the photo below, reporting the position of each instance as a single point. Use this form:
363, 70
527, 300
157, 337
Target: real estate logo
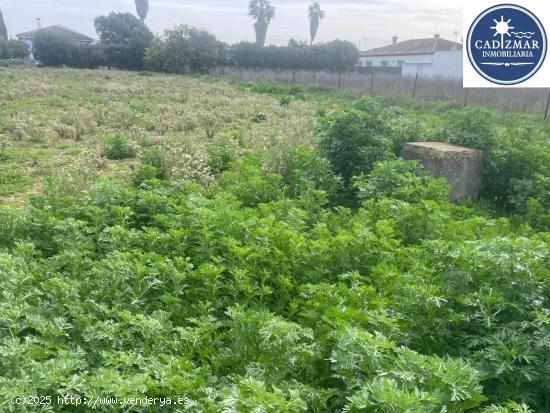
507, 44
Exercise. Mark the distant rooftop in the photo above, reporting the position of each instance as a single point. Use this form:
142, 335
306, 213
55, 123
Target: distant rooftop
415, 46
59, 29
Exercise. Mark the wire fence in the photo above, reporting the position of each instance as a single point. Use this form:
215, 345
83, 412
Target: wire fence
399, 88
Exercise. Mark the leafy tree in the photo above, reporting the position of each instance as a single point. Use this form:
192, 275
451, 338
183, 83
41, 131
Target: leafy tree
315, 16
263, 12
340, 55
125, 39
53, 49
3, 29
142, 7
91, 56
184, 49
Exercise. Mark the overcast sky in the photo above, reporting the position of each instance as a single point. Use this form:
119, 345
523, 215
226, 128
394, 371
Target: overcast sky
371, 22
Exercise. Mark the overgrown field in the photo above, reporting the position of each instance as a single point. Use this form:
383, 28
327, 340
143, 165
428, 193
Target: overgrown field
259, 248
56, 126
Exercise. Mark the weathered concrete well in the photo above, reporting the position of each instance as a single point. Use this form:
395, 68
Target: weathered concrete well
462, 167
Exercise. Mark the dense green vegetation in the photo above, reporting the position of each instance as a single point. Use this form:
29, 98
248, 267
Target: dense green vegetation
250, 270
12, 49
127, 43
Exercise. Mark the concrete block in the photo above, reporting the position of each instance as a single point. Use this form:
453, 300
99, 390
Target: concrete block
462, 167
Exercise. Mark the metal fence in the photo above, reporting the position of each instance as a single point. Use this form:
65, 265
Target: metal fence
398, 88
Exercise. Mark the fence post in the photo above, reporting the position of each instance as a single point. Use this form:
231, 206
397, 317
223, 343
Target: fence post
547, 107
415, 83
294, 77
314, 78
339, 80
372, 83
466, 97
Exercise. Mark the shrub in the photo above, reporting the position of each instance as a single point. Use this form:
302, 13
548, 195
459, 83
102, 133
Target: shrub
13, 49
354, 141
305, 170
211, 125
53, 49
91, 56
65, 131
403, 180
4, 145
157, 158
250, 184
12, 181
514, 155
117, 146
11, 62
145, 173
178, 162
335, 56
24, 127
221, 155
184, 49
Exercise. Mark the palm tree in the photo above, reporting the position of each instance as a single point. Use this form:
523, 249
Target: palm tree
3, 30
315, 17
142, 7
263, 12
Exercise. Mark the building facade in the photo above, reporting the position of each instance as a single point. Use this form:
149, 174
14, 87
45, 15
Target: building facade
70, 34
433, 57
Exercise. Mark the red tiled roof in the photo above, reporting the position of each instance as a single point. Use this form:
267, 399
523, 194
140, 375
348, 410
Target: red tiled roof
416, 46
65, 31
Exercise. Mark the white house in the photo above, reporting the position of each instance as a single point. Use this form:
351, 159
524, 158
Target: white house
433, 57
70, 34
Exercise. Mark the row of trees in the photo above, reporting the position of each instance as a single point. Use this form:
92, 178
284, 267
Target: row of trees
337, 55
127, 43
263, 13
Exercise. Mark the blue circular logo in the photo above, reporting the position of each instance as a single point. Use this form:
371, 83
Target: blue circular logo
507, 44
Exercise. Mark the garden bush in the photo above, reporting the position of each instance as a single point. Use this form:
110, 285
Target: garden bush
183, 49
117, 146
53, 49
337, 55
355, 140
403, 180
13, 49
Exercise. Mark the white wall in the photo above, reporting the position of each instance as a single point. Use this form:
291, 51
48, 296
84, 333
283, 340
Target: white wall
394, 60
444, 64
448, 64
439, 64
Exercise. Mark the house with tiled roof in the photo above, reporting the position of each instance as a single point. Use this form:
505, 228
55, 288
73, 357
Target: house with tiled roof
70, 34
432, 57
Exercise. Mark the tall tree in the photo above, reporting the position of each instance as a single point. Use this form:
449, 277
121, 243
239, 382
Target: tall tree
315, 17
3, 30
142, 7
263, 12
124, 38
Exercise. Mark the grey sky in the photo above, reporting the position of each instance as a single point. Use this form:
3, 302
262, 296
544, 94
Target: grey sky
354, 20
